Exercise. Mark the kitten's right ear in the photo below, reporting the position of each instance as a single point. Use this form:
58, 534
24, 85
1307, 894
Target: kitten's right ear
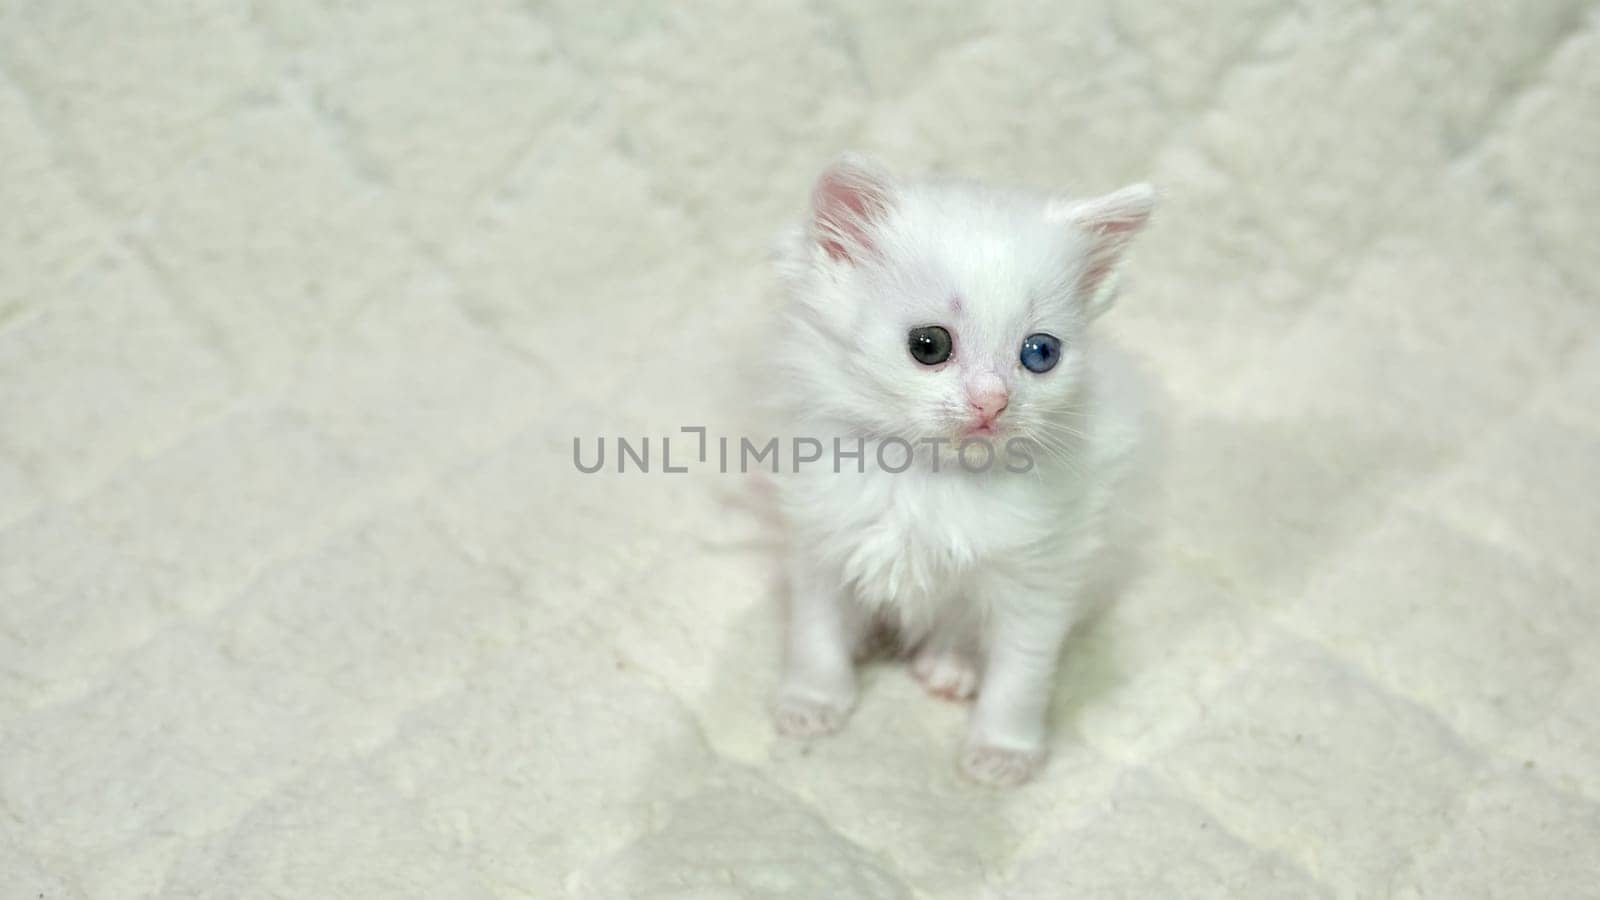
848, 202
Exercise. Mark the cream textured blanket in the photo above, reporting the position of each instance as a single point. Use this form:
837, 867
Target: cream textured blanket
302, 304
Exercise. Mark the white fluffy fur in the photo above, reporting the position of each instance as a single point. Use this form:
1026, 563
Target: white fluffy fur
981, 576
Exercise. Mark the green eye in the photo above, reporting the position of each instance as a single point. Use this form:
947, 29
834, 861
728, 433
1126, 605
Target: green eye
930, 345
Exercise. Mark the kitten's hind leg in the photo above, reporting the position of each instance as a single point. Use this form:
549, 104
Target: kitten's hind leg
819, 680
946, 673
946, 661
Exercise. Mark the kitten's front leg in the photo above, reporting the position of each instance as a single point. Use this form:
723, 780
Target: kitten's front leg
819, 679
1006, 735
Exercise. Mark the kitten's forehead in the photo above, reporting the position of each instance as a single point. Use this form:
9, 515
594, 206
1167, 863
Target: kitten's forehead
988, 260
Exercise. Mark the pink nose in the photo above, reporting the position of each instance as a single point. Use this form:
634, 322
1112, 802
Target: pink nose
987, 396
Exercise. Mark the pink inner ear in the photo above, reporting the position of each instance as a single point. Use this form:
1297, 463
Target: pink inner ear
1119, 225
1110, 238
845, 204
1111, 222
1096, 270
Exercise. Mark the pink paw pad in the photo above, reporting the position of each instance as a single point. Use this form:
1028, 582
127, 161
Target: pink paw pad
804, 718
950, 676
1000, 766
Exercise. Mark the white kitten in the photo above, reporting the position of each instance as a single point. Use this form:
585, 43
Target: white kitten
922, 313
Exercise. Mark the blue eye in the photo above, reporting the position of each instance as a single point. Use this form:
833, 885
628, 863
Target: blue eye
1040, 352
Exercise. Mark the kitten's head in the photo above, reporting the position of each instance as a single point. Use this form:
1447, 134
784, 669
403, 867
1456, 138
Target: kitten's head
945, 310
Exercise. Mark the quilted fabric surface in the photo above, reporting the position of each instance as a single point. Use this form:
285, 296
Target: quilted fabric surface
302, 305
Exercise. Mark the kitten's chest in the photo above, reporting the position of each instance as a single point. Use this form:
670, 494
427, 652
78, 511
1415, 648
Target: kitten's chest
914, 541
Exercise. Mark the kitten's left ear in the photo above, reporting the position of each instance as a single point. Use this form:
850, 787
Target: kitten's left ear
1109, 223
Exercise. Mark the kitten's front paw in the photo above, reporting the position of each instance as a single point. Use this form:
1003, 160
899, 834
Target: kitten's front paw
1000, 766
946, 674
804, 716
